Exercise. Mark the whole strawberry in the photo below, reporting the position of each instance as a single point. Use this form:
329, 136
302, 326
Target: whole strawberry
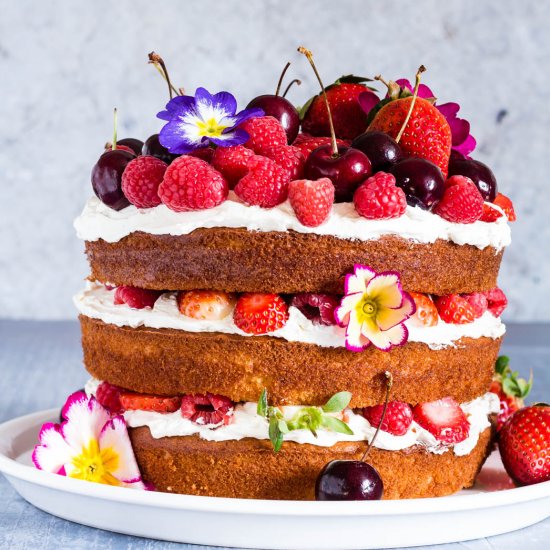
311, 200
264, 132
378, 198
141, 179
462, 202
524, 445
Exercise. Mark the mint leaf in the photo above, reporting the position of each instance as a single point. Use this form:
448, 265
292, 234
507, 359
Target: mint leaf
336, 425
275, 434
501, 365
283, 426
338, 402
262, 404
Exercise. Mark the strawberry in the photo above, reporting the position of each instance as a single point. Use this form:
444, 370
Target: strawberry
108, 396
132, 401
524, 445
461, 202
288, 157
192, 184
426, 313
427, 134
231, 162
311, 200
348, 117
141, 179
491, 214
257, 313
454, 309
265, 184
136, 298
205, 304
510, 389
496, 301
378, 198
207, 409
264, 132
397, 420
478, 303
306, 143
444, 419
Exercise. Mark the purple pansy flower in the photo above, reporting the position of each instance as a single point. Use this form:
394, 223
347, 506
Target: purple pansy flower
195, 121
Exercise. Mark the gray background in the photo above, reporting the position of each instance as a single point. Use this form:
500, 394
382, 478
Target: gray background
64, 65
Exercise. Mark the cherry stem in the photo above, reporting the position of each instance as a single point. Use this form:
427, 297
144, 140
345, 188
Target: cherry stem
389, 384
379, 78
160, 66
421, 69
280, 83
113, 145
296, 81
309, 56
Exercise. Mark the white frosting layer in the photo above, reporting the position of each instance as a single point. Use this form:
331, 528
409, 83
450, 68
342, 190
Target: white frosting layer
97, 302
98, 221
247, 423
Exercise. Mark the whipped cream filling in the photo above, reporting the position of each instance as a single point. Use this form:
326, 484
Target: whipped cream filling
96, 301
247, 423
98, 221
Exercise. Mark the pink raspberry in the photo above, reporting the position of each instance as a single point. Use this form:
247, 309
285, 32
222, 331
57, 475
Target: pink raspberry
318, 308
108, 396
141, 179
192, 184
462, 202
378, 198
478, 302
496, 301
136, 298
265, 184
232, 162
311, 200
397, 420
207, 409
289, 157
264, 132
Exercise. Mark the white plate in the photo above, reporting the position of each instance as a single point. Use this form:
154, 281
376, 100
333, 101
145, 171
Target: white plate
491, 508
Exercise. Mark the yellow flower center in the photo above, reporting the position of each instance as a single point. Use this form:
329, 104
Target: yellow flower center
366, 308
210, 128
96, 465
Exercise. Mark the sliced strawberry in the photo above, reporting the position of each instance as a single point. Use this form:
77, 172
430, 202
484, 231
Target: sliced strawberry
132, 401
207, 409
444, 419
426, 312
257, 313
397, 420
205, 304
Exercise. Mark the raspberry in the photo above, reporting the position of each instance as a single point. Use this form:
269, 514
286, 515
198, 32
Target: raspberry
397, 420
204, 153
307, 143
478, 303
192, 184
257, 313
491, 214
231, 162
496, 301
141, 179
265, 185
264, 132
205, 304
426, 312
289, 157
207, 409
318, 308
462, 202
444, 419
108, 396
311, 200
132, 401
378, 198
136, 298
455, 309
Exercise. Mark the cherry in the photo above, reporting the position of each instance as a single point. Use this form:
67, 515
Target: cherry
107, 178
134, 144
383, 151
153, 148
479, 173
421, 180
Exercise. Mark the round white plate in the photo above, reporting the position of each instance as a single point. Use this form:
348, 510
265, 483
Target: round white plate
490, 508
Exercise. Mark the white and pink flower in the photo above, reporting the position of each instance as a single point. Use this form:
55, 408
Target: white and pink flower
374, 310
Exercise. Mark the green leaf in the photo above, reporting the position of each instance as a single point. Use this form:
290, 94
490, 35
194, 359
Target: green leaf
275, 434
373, 112
338, 402
336, 425
307, 418
283, 426
351, 79
501, 365
304, 109
262, 404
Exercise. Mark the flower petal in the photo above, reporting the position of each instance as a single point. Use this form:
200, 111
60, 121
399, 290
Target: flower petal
355, 338
231, 137
177, 107
387, 318
368, 100
357, 282
178, 138
53, 452
423, 90
347, 305
386, 340
224, 102
245, 114
385, 288
85, 419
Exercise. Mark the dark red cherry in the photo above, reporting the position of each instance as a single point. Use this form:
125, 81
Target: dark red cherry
281, 109
107, 178
421, 180
383, 151
479, 173
347, 170
153, 148
349, 480
135, 144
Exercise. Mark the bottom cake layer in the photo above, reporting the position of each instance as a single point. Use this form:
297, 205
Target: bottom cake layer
249, 468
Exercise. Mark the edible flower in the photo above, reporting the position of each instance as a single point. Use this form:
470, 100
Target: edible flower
196, 121
89, 445
374, 310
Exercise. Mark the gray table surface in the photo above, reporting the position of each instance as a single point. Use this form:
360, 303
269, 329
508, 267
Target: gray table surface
40, 364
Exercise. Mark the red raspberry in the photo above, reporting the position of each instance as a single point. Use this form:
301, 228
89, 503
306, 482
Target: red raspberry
231, 162
141, 179
426, 312
192, 184
136, 298
265, 185
444, 419
257, 313
132, 401
378, 198
204, 153
496, 301
264, 132
108, 396
311, 200
307, 143
289, 157
207, 409
318, 308
397, 420
478, 303
492, 214
455, 309
462, 202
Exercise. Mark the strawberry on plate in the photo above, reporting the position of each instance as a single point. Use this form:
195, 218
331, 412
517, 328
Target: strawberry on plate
444, 419
257, 313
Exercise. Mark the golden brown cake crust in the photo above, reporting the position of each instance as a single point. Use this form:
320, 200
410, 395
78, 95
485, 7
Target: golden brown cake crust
238, 260
169, 362
250, 469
